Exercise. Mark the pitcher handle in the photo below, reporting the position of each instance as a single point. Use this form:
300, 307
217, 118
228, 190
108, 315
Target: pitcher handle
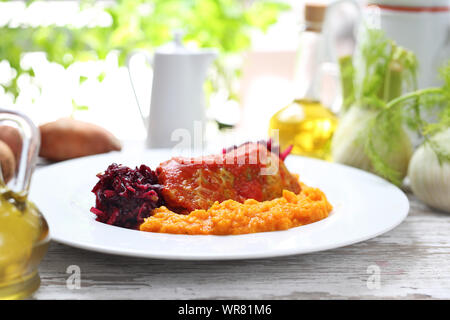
327, 35
30, 148
150, 61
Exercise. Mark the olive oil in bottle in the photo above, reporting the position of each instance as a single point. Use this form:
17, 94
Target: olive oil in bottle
23, 243
308, 126
24, 234
306, 123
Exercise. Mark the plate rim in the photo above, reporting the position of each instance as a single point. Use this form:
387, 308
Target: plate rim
234, 256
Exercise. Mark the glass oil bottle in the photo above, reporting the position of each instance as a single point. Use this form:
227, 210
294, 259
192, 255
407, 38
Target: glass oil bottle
24, 234
306, 123
23, 244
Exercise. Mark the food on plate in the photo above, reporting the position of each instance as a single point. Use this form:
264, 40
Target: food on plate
232, 217
244, 189
67, 138
7, 162
124, 196
196, 183
269, 146
11, 136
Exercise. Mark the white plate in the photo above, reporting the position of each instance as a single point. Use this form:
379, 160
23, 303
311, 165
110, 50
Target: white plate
365, 206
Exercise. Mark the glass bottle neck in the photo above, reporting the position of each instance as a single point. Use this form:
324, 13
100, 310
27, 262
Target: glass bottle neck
310, 57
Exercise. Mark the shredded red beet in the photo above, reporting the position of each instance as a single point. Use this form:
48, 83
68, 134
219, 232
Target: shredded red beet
124, 197
286, 152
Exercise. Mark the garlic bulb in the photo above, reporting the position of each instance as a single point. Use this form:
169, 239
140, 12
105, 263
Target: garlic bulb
430, 179
349, 141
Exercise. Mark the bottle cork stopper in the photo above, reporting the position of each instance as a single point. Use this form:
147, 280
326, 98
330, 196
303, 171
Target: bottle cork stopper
314, 15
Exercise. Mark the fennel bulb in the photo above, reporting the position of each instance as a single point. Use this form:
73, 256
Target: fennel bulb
369, 136
350, 143
347, 146
430, 176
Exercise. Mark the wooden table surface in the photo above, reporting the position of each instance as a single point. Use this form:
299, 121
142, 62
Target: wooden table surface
410, 262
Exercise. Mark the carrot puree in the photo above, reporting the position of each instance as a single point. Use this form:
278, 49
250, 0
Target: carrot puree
232, 217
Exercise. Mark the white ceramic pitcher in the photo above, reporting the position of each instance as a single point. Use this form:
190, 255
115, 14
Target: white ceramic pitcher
177, 97
422, 26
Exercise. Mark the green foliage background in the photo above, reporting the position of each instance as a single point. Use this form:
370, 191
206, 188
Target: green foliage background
223, 24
